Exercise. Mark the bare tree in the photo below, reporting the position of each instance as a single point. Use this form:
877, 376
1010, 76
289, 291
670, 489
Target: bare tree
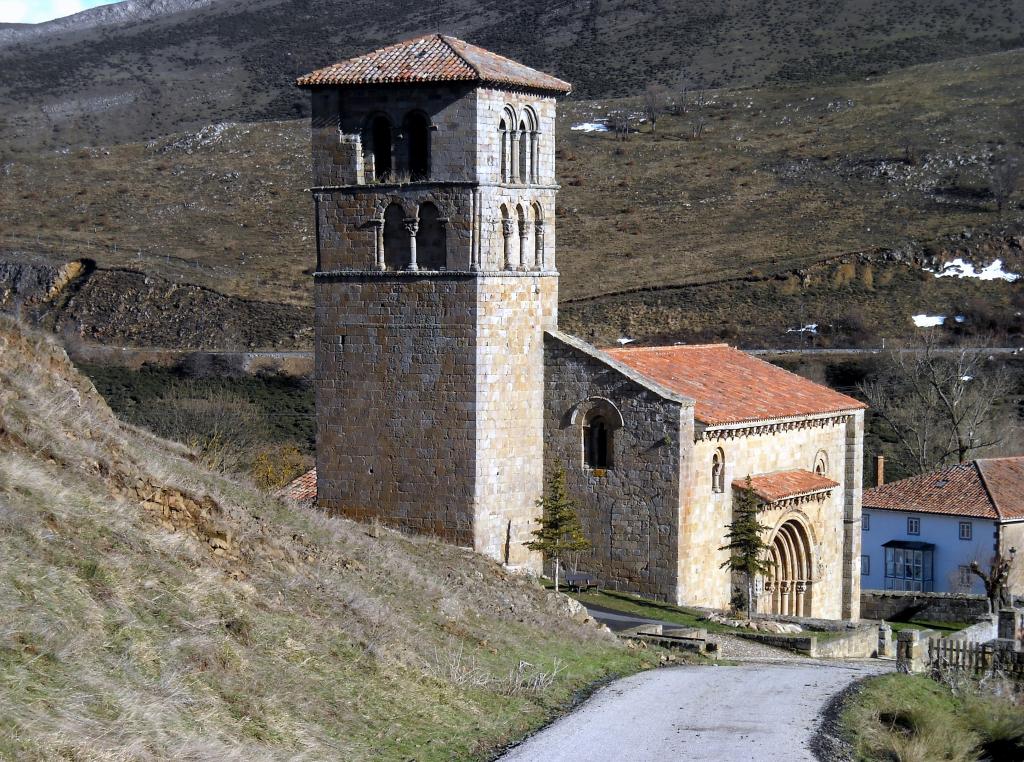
655, 104
995, 580
621, 124
939, 403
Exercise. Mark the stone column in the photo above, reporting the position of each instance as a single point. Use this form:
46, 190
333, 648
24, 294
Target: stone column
513, 174
538, 245
524, 240
508, 229
910, 651
801, 589
378, 237
534, 157
412, 226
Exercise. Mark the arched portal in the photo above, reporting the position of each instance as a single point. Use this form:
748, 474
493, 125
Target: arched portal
789, 583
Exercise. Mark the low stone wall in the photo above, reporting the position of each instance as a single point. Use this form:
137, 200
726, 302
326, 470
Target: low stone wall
934, 607
861, 643
982, 632
803, 644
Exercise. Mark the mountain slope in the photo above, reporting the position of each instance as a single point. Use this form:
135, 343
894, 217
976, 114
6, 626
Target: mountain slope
78, 81
155, 610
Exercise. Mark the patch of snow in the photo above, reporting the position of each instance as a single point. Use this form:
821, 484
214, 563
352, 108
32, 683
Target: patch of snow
928, 321
625, 340
966, 378
958, 268
590, 127
809, 328
960, 318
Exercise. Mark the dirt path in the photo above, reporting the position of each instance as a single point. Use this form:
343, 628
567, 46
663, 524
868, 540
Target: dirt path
753, 711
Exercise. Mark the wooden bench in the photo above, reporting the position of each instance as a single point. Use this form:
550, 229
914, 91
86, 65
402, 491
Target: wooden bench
580, 581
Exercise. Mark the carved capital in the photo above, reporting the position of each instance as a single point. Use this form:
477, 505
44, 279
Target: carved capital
508, 227
412, 225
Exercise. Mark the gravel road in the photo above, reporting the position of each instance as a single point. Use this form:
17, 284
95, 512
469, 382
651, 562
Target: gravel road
739, 713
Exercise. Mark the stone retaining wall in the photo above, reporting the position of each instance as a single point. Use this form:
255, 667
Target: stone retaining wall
934, 607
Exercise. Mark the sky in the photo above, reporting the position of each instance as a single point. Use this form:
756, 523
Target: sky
34, 11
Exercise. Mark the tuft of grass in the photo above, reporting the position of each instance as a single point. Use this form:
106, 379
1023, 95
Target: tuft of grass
127, 636
912, 718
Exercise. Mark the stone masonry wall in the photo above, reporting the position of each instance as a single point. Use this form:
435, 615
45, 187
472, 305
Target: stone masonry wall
932, 607
395, 384
629, 512
512, 313
706, 513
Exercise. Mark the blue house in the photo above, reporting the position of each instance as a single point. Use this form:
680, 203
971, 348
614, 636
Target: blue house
922, 534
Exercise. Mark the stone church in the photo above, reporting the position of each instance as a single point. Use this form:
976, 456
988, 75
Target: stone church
445, 391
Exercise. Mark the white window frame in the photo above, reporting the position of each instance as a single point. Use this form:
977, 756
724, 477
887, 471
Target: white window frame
865, 522
865, 565
914, 526
969, 534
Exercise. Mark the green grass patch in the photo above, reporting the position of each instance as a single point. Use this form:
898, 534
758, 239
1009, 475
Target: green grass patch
944, 628
912, 718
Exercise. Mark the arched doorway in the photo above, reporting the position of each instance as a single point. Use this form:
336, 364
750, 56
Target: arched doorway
788, 586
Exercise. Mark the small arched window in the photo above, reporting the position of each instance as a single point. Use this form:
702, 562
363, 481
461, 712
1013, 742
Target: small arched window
821, 463
505, 147
397, 254
431, 251
718, 471
378, 148
417, 137
525, 152
597, 441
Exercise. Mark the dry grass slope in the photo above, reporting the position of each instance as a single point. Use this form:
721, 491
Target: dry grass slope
155, 610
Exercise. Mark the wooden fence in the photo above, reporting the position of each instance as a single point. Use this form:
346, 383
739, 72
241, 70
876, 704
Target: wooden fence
944, 653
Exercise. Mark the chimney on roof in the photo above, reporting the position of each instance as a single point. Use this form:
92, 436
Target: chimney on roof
879, 470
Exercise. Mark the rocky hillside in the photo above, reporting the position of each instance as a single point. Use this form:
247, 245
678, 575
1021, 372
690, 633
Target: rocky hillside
795, 205
156, 610
142, 69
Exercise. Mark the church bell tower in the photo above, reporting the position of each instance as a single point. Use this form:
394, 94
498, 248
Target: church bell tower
434, 190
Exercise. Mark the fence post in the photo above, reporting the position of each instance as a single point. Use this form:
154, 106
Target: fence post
909, 657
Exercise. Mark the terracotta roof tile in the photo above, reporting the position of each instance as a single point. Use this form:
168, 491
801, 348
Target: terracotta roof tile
784, 484
730, 386
301, 489
957, 491
1004, 479
433, 58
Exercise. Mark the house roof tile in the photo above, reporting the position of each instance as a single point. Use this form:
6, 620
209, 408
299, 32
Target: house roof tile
730, 386
433, 58
989, 488
785, 484
301, 489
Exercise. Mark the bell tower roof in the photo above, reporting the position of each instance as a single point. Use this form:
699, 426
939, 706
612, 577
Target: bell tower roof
433, 58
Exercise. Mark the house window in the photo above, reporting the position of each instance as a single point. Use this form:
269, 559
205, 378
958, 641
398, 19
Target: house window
913, 525
909, 568
966, 530
865, 522
865, 565
718, 471
597, 442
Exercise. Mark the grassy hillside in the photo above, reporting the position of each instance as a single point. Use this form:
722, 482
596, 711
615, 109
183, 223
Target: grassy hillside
237, 59
892, 172
153, 609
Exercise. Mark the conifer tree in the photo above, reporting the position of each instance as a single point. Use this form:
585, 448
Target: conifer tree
560, 531
747, 548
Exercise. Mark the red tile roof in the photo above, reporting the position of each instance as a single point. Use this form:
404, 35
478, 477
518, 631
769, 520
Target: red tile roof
302, 489
433, 58
1004, 479
783, 484
730, 386
989, 488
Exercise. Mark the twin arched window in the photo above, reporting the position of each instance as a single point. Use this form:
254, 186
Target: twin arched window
380, 160
520, 146
414, 243
718, 471
821, 463
522, 222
